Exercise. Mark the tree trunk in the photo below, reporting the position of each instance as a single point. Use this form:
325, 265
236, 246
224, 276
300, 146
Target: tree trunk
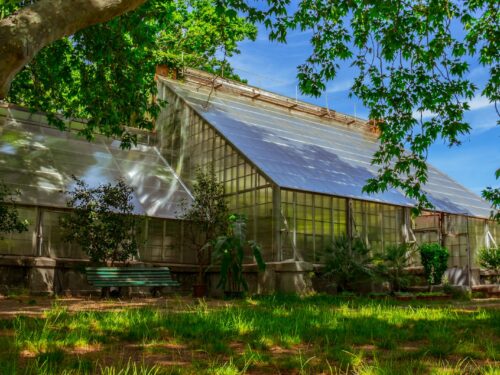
24, 33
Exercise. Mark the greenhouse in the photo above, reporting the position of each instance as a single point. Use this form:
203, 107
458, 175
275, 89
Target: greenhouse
294, 169
297, 171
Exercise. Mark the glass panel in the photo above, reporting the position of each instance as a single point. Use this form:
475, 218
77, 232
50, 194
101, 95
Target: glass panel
21, 243
287, 146
53, 242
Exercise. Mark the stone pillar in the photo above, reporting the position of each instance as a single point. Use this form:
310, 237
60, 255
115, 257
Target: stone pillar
294, 277
278, 251
41, 276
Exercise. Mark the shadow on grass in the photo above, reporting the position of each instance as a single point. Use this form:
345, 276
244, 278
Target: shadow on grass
280, 332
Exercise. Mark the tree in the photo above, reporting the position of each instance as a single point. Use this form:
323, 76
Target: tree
9, 217
206, 216
493, 195
102, 221
412, 59
105, 73
347, 262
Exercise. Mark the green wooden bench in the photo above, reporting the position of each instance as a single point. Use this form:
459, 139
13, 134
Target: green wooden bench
106, 277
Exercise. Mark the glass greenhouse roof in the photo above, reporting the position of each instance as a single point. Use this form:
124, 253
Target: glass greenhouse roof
304, 152
38, 161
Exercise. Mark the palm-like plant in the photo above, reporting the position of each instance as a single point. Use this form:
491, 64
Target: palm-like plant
347, 262
489, 258
392, 263
229, 252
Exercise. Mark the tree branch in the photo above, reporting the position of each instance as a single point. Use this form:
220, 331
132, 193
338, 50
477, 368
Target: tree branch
24, 33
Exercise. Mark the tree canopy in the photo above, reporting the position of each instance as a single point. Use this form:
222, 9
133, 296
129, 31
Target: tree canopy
105, 73
102, 221
412, 60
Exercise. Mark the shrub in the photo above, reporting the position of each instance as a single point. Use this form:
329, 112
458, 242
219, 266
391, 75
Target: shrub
490, 259
391, 265
101, 221
9, 217
347, 262
434, 258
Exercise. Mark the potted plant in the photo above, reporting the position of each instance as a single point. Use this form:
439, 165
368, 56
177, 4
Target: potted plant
207, 218
229, 252
101, 222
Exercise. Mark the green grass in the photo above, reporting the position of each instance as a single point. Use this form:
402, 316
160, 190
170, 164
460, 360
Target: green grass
278, 334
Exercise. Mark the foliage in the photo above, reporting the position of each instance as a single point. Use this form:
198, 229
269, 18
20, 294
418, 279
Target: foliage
347, 262
229, 253
434, 258
392, 263
206, 216
489, 258
105, 73
9, 217
101, 221
411, 62
493, 195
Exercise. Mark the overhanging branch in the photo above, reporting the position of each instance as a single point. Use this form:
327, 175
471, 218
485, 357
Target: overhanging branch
24, 33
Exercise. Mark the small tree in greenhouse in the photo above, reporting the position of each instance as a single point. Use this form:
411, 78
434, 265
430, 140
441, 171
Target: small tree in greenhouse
101, 221
9, 217
207, 216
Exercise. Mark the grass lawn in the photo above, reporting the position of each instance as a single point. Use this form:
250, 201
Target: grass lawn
270, 335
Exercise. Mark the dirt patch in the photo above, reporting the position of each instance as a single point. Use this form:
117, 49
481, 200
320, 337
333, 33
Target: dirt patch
11, 307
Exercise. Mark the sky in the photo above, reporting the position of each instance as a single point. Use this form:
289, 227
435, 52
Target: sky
273, 66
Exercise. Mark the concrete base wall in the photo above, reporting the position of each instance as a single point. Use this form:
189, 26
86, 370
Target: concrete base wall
40, 275
48, 276
279, 277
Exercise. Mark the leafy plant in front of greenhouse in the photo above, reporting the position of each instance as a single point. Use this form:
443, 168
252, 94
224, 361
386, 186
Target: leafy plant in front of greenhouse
347, 262
489, 258
9, 217
102, 221
434, 258
231, 250
392, 263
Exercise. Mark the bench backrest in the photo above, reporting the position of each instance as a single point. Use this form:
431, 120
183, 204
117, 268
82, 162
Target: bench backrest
130, 276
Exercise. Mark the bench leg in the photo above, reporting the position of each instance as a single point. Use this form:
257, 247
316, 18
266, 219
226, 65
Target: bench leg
105, 292
156, 291
125, 291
